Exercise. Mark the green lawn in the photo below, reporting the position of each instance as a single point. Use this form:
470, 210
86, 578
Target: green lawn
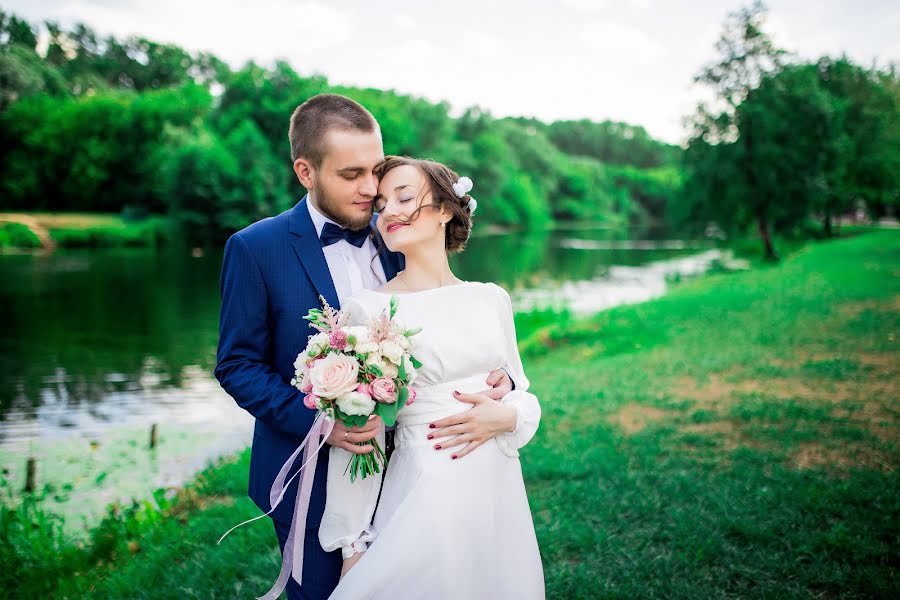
735, 438
83, 230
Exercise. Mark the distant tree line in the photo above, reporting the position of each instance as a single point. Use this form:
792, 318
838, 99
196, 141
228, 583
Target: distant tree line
139, 127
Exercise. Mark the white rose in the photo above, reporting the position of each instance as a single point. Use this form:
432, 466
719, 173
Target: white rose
318, 343
387, 369
359, 334
411, 373
404, 342
334, 375
367, 347
300, 364
392, 351
356, 403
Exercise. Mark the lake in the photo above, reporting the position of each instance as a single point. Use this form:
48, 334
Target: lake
97, 346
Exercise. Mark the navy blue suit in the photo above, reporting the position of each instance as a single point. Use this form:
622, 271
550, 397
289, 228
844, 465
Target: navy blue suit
273, 272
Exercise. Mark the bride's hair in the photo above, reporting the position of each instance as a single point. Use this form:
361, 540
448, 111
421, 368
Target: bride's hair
440, 180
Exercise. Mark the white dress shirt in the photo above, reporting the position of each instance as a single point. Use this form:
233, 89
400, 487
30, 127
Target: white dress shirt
352, 268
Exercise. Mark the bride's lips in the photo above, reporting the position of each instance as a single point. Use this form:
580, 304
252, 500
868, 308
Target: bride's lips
395, 226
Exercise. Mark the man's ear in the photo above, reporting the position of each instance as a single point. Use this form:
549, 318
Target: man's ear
305, 173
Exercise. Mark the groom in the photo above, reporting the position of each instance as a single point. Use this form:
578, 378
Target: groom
273, 272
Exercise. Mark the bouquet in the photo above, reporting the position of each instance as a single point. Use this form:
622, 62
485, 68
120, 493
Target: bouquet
352, 372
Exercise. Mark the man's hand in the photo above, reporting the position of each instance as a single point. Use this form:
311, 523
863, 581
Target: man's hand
473, 427
349, 562
500, 384
346, 437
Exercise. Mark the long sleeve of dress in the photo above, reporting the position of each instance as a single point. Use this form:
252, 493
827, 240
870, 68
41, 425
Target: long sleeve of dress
526, 403
349, 506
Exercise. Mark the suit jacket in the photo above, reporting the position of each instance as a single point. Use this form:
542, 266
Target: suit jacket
272, 273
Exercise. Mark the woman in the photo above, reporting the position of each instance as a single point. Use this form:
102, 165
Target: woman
452, 520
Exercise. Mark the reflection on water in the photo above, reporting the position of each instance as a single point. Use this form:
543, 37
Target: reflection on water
98, 345
617, 284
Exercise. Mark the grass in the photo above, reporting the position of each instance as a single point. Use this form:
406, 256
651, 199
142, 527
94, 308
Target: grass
90, 230
737, 437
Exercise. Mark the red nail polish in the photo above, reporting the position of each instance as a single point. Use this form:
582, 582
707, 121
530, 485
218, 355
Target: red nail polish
432, 425
430, 436
453, 457
438, 447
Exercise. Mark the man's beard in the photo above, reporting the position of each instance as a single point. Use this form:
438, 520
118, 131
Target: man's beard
329, 208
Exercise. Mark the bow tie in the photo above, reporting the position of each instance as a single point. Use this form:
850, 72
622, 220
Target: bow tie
331, 233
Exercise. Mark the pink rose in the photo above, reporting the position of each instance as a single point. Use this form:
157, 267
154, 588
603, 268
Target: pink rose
383, 390
311, 401
412, 396
363, 388
334, 376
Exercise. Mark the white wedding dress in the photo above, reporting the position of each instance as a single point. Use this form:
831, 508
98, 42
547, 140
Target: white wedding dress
455, 529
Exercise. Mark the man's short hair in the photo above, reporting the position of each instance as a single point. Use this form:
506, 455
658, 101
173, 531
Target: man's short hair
315, 117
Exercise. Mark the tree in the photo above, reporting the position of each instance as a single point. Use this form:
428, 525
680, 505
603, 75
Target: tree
747, 55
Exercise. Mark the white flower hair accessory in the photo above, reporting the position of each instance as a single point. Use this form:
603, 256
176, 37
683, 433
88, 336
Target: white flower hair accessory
463, 187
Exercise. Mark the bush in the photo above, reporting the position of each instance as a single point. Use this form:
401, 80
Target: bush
17, 235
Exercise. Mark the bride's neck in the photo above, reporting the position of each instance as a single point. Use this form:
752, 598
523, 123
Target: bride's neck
426, 270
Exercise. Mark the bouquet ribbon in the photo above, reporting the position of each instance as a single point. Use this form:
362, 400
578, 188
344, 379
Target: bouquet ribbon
292, 557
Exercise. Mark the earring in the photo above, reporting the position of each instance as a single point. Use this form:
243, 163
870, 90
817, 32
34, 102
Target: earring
443, 224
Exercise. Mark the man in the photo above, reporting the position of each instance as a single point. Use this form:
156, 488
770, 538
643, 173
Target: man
273, 272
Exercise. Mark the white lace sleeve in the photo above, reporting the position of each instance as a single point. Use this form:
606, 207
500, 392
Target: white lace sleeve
349, 507
527, 406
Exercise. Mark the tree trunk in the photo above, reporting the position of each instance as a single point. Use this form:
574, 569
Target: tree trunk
826, 222
762, 225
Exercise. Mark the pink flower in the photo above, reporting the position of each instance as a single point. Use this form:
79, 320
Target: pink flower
338, 339
334, 376
412, 396
383, 390
363, 388
311, 401
306, 384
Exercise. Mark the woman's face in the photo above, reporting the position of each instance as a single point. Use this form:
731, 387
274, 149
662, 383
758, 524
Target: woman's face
400, 192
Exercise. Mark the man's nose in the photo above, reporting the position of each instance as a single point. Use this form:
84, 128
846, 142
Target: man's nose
369, 186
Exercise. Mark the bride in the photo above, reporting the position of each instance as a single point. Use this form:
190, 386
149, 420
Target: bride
452, 517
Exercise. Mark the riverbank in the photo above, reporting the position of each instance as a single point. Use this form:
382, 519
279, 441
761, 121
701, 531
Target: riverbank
736, 437
31, 230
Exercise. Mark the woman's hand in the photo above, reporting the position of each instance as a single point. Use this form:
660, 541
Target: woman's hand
484, 421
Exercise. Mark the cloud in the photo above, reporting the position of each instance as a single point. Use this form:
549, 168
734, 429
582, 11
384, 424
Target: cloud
226, 27
615, 41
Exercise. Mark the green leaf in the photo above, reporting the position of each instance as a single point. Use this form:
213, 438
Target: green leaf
388, 411
401, 372
375, 370
415, 362
412, 332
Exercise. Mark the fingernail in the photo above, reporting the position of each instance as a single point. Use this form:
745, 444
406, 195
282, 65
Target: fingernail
432, 426
438, 447
455, 393
453, 457
430, 436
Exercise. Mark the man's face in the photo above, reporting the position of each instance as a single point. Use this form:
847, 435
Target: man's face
344, 185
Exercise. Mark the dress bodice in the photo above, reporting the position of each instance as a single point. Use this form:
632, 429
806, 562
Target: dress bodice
465, 335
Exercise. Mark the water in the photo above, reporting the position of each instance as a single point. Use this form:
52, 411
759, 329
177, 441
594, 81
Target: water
99, 345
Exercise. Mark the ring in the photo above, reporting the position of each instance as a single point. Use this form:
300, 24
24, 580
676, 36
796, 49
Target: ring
346, 435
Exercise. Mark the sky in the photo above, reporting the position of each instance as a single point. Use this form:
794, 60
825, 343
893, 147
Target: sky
625, 60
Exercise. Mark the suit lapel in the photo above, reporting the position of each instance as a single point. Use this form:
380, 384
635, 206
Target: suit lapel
306, 243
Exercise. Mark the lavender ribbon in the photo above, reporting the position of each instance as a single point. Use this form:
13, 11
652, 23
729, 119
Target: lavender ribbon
292, 557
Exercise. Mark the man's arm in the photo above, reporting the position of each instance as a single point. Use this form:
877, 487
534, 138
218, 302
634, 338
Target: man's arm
243, 365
